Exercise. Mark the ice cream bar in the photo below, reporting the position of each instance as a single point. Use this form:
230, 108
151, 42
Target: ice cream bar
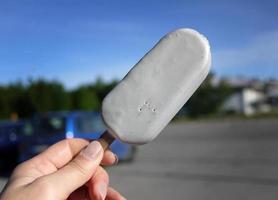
156, 88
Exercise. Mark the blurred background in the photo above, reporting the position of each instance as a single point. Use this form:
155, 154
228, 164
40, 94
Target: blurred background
59, 58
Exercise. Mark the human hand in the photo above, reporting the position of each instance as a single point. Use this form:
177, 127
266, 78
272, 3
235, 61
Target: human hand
69, 169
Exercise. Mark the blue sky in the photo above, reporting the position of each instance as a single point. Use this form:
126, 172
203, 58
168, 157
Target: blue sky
74, 41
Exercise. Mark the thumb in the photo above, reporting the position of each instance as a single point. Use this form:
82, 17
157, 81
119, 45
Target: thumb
78, 171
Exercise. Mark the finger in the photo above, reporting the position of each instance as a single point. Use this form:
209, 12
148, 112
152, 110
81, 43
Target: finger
55, 157
98, 184
112, 194
109, 158
77, 172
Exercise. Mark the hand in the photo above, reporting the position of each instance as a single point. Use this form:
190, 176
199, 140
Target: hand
69, 170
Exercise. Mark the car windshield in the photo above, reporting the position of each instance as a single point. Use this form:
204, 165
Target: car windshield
9, 131
50, 125
89, 124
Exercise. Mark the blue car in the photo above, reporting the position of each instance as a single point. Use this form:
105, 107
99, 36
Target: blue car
9, 132
46, 129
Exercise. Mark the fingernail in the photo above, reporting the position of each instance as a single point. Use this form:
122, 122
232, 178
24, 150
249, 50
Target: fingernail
92, 150
116, 159
102, 189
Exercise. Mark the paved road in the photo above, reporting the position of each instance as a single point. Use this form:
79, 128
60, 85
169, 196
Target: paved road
205, 161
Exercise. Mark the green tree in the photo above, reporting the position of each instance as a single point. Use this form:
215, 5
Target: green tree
44, 96
101, 88
9, 97
84, 98
208, 98
48, 96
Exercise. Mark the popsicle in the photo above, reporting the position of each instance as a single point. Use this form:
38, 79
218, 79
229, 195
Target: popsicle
156, 88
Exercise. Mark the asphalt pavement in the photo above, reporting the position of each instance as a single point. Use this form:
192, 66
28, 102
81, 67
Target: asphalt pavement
227, 160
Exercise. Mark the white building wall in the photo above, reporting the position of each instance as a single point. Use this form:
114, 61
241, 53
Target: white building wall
233, 103
249, 98
243, 101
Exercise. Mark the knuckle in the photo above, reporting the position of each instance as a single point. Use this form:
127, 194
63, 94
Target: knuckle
43, 184
105, 174
102, 174
19, 169
77, 165
67, 141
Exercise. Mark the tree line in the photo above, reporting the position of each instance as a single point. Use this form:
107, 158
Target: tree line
23, 100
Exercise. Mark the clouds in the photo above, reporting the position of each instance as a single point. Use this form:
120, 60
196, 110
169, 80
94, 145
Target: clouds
76, 41
260, 52
84, 75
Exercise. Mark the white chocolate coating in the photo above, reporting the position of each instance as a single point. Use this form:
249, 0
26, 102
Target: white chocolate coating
156, 88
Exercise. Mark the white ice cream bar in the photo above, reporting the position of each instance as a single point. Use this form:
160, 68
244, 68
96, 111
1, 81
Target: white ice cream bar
156, 88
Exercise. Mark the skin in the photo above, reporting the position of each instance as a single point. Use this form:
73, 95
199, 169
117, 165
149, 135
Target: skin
66, 170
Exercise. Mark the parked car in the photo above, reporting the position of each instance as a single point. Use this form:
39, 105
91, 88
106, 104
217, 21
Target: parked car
9, 138
46, 129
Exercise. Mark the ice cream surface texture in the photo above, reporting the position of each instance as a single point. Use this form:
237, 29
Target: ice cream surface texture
157, 87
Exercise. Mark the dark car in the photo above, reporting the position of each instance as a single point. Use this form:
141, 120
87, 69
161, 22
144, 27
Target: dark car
9, 140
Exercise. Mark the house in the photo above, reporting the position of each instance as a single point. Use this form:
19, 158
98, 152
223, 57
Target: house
247, 101
272, 95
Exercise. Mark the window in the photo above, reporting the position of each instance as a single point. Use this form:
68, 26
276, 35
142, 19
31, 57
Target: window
89, 124
50, 125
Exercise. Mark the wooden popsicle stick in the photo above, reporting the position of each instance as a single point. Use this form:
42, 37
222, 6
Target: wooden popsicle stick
106, 139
